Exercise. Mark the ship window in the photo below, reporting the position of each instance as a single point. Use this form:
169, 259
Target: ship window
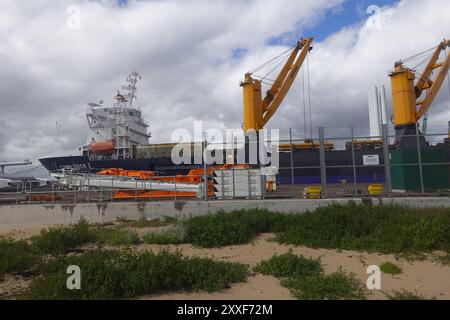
131, 113
106, 110
110, 112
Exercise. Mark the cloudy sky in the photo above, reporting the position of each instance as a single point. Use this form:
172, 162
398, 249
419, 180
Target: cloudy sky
192, 55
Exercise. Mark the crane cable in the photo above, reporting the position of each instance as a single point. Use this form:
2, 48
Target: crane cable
418, 56
448, 76
304, 103
28, 170
273, 59
309, 98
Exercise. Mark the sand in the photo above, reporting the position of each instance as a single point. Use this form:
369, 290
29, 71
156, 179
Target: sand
427, 277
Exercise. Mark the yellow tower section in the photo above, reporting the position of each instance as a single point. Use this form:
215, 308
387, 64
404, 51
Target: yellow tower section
403, 96
253, 112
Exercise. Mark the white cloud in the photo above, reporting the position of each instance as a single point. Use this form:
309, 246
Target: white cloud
184, 51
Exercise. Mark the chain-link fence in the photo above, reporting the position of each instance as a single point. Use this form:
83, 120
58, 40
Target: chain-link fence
334, 162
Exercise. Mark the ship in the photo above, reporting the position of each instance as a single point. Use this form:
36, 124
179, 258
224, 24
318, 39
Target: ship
119, 137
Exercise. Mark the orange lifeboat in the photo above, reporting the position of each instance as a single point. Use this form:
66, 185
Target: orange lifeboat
103, 146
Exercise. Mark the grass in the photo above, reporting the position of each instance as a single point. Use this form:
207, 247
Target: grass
116, 237
390, 268
60, 240
124, 274
405, 295
445, 260
154, 223
385, 229
16, 256
336, 286
231, 228
305, 278
63, 239
289, 265
175, 235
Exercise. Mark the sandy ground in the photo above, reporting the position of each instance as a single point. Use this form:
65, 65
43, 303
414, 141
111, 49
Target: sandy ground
427, 277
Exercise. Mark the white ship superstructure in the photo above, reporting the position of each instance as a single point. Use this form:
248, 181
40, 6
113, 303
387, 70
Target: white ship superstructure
115, 131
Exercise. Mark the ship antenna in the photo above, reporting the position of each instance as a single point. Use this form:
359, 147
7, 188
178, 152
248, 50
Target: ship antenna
132, 79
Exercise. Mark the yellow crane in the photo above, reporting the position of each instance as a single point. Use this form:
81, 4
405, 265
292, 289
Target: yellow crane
258, 111
410, 104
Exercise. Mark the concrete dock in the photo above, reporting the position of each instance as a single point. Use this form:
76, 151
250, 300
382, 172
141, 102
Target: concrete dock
22, 216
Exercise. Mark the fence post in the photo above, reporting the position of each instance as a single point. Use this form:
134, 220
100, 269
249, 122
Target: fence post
205, 167
323, 168
175, 188
419, 157
112, 189
387, 168
354, 163
292, 162
89, 190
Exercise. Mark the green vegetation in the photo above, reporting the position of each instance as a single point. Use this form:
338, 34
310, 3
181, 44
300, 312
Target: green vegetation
63, 239
175, 235
145, 223
307, 281
59, 240
385, 229
124, 274
445, 260
405, 295
115, 237
336, 286
288, 265
16, 256
231, 228
390, 268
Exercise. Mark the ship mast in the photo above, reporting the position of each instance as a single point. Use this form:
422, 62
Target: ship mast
122, 130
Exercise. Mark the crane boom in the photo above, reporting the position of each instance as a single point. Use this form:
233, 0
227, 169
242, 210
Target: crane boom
406, 94
258, 111
435, 85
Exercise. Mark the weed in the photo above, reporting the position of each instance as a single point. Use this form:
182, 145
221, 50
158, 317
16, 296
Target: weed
390, 268
124, 274
289, 265
175, 235
445, 259
63, 239
385, 229
115, 237
231, 228
336, 286
146, 223
16, 256
405, 295
305, 278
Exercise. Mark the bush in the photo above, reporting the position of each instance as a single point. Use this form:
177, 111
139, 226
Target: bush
146, 223
231, 228
115, 237
290, 265
16, 256
386, 229
175, 235
124, 274
63, 239
336, 286
405, 295
390, 268
306, 280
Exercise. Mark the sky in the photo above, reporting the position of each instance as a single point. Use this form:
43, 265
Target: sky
192, 55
